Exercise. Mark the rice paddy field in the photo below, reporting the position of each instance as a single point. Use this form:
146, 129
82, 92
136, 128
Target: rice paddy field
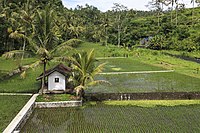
152, 82
126, 65
105, 118
9, 107
121, 83
101, 118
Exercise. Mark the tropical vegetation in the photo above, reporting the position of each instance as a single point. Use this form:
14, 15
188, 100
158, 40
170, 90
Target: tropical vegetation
47, 24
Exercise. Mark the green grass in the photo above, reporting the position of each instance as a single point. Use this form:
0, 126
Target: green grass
101, 118
157, 58
9, 107
153, 103
154, 82
10, 64
7, 65
54, 97
126, 65
28, 85
17, 84
103, 51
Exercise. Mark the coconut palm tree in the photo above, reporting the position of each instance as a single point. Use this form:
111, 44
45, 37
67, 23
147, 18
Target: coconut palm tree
173, 2
120, 11
27, 15
85, 70
43, 41
193, 5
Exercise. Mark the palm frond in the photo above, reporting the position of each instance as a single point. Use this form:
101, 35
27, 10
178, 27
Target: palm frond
16, 35
62, 59
60, 48
75, 61
35, 64
23, 75
98, 69
90, 59
75, 67
78, 89
43, 52
13, 54
32, 44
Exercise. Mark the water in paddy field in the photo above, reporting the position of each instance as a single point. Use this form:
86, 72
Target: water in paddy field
104, 118
154, 82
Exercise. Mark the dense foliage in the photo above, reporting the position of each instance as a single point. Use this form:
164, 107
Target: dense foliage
24, 22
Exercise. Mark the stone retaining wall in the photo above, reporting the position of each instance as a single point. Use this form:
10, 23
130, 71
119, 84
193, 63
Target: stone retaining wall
142, 96
58, 104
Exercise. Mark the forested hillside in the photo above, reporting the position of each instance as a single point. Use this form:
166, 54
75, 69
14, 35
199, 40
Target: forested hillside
27, 24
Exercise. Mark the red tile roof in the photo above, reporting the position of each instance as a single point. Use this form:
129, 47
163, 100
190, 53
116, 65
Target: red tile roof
59, 68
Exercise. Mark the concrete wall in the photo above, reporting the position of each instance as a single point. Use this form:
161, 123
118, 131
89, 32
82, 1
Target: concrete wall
20, 119
56, 86
22, 116
58, 104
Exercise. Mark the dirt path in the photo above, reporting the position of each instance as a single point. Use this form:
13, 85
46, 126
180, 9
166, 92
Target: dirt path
138, 72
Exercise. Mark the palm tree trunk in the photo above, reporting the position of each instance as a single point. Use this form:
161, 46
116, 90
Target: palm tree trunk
172, 15
106, 36
119, 36
43, 81
23, 49
193, 14
158, 19
119, 32
176, 16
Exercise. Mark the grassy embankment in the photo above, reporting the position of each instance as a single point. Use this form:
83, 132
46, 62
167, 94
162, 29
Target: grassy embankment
54, 98
153, 103
10, 64
16, 84
157, 58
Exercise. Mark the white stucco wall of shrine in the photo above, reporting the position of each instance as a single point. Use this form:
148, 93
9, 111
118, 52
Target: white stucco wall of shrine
56, 81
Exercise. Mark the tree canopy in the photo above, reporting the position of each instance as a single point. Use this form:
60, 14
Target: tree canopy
24, 22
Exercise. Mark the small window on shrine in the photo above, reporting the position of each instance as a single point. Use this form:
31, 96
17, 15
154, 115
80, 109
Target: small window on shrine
56, 80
